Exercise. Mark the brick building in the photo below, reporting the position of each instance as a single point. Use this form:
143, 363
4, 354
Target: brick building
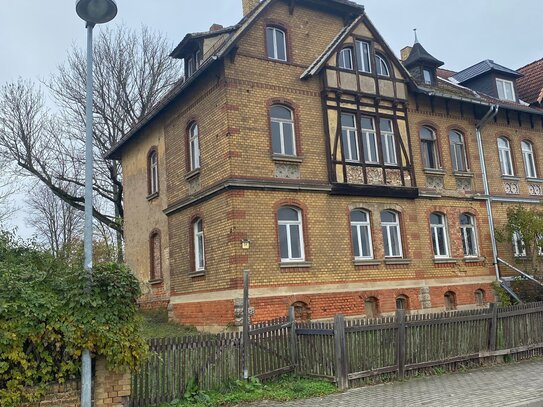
355, 178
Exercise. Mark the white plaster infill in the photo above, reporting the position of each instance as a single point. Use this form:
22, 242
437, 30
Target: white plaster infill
280, 291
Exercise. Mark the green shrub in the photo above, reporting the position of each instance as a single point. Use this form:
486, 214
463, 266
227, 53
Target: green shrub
48, 316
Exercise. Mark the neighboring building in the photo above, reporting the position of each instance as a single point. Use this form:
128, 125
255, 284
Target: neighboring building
530, 86
356, 179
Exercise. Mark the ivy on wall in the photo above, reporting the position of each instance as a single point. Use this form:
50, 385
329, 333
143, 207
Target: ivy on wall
48, 317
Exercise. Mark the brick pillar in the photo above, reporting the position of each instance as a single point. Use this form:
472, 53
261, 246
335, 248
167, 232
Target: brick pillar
111, 389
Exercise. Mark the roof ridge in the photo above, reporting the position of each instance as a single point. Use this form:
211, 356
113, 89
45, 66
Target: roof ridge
531, 63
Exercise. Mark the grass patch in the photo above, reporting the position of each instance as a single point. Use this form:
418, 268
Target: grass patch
156, 325
286, 388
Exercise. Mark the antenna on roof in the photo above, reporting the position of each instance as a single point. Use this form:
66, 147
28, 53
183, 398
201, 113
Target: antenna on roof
416, 38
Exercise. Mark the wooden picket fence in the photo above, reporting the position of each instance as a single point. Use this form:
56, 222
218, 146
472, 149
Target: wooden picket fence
345, 351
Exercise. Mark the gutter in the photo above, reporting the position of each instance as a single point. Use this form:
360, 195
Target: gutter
492, 112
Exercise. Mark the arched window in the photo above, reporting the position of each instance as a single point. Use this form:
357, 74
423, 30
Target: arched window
302, 312
480, 298
381, 66
361, 235
345, 58
469, 235
152, 172
458, 151
349, 139
155, 260
199, 246
390, 224
440, 241
276, 43
402, 303
194, 147
282, 127
529, 160
371, 305
291, 239
450, 301
506, 162
428, 144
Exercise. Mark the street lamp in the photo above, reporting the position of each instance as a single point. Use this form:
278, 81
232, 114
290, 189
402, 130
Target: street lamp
92, 12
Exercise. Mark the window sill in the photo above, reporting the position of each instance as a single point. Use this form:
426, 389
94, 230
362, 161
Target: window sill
287, 158
198, 273
434, 171
153, 196
295, 264
445, 261
156, 281
397, 261
463, 174
368, 262
510, 178
192, 174
535, 180
474, 259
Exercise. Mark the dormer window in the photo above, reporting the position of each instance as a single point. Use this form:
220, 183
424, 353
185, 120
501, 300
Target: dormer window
190, 67
345, 58
198, 58
427, 76
506, 90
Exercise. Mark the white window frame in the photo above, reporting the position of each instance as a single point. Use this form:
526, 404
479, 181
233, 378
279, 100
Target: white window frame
274, 53
199, 245
529, 159
388, 228
153, 172
342, 61
190, 67
519, 247
456, 155
424, 149
435, 228
351, 153
364, 56
282, 124
369, 136
506, 160
381, 63
198, 59
289, 224
361, 227
501, 85
194, 146
388, 143
465, 231
427, 76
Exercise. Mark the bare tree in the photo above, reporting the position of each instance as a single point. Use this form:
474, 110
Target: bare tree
132, 72
58, 223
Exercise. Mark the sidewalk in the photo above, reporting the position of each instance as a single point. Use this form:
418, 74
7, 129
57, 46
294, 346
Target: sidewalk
519, 384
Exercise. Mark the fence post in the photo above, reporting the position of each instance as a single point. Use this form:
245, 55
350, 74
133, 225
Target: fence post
493, 328
400, 321
293, 339
341, 354
245, 338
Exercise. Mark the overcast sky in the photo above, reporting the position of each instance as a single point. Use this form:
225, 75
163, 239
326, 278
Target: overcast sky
35, 34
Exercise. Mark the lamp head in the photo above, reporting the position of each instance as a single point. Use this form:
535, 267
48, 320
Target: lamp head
96, 11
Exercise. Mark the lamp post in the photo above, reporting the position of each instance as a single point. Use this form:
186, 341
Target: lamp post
92, 12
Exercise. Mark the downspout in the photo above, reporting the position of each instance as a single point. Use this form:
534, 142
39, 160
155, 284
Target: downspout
493, 111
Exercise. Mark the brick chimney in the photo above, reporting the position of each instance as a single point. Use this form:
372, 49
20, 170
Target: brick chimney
405, 52
249, 5
215, 27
